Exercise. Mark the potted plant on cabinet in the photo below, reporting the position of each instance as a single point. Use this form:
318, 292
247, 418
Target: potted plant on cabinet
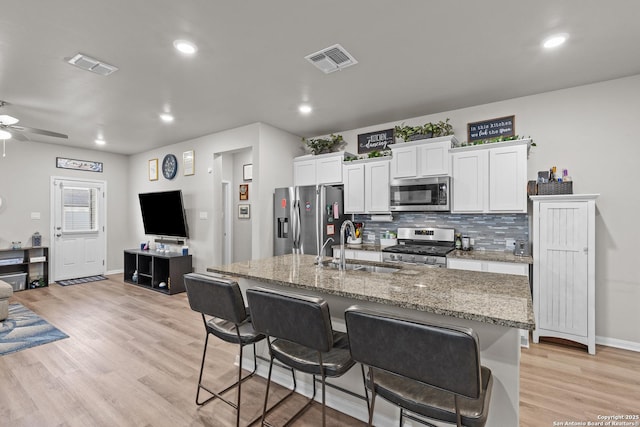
428, 130
324, 145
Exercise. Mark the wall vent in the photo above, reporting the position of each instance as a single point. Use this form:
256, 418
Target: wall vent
91, 64
332, 59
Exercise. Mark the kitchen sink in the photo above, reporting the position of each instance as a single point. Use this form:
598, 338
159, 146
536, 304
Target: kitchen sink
360, 267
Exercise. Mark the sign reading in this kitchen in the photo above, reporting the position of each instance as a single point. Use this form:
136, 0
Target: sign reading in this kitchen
375, 141
502, 126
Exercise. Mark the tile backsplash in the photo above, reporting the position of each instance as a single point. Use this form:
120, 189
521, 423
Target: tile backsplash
489, 232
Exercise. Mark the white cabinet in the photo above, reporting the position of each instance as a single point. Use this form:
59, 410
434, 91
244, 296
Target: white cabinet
564, 267
360, 255
318, 169
353, 178
519, 269
426, 157
469, 181
366, 186
490, 178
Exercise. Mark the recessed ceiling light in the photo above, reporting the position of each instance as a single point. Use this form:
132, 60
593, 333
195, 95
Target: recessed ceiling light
166, 117
100, 141
305, 109
4, 134
185, 46
555, 40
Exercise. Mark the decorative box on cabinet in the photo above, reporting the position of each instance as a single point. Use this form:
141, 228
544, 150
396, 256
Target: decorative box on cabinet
490, 178
425, 157
318, 169
154, 268
564, 267
366, 185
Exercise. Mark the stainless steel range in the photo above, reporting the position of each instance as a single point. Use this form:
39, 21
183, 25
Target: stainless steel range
428, 246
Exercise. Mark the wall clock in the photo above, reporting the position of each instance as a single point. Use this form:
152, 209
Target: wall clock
169, 166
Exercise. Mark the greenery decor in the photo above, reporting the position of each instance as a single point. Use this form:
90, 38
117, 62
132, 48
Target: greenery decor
324, 145
428, 130
370, 155
499, 139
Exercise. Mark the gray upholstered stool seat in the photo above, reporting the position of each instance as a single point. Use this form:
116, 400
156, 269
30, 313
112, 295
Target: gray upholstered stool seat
6, 292
414, 396
428, 369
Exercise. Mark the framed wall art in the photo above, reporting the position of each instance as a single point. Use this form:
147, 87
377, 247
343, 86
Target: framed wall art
244, 191
81, 165
153, 170
247, 172
188, 161
244, 211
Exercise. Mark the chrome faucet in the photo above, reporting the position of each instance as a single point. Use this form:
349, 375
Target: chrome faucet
321, 253
352, 231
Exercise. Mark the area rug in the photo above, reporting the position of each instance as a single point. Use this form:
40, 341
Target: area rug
80, 280
24, 329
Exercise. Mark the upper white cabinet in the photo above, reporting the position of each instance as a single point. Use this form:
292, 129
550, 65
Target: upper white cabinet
318, 169
366, 186
564, 267
425, 157
490, 178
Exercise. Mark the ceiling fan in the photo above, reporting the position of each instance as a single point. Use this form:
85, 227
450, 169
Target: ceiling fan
8, 125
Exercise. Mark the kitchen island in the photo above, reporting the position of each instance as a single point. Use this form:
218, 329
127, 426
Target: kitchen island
496, 306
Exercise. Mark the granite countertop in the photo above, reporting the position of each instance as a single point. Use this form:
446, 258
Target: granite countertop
500, 299
500, 256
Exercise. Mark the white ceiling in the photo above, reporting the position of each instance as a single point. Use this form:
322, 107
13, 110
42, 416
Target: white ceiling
416, 57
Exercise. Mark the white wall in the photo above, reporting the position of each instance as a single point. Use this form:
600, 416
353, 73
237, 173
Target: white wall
25, 176
592, 131
269, 149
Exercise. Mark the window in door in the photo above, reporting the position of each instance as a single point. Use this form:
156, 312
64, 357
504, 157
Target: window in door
80, 210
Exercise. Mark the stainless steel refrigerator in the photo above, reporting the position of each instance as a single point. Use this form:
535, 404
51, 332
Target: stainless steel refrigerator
305, 217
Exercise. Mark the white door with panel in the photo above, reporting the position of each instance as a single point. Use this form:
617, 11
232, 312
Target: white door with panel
469, 180
78, 228
564, 267
376, 184
508, 179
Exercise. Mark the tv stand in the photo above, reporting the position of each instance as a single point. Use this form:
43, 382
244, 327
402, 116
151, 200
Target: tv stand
154, 268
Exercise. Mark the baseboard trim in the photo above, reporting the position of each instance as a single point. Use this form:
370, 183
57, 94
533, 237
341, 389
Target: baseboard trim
114, 272
622, 344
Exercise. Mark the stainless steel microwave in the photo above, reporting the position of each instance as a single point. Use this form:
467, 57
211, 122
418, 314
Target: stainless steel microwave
420, 194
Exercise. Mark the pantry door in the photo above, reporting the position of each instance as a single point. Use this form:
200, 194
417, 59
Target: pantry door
78, 228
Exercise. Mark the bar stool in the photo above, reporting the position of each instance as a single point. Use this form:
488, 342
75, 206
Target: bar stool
428, 369
219, 300
299, 335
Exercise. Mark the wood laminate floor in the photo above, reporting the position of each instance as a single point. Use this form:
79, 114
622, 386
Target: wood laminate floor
133, 355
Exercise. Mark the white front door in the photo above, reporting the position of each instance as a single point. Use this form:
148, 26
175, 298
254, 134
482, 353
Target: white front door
78, 228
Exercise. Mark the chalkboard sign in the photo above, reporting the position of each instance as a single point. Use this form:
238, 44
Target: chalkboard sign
375, 141
502, 126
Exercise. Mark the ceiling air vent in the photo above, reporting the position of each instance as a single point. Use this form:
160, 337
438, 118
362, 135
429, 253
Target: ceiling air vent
90, 64
332, 59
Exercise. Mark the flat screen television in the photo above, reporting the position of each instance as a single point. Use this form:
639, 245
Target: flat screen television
163, 214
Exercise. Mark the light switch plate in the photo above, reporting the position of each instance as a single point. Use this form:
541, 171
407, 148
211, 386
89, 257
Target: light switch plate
35, 215
205, 215
510, 244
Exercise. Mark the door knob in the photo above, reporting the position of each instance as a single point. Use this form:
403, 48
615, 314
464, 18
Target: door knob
58, 235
